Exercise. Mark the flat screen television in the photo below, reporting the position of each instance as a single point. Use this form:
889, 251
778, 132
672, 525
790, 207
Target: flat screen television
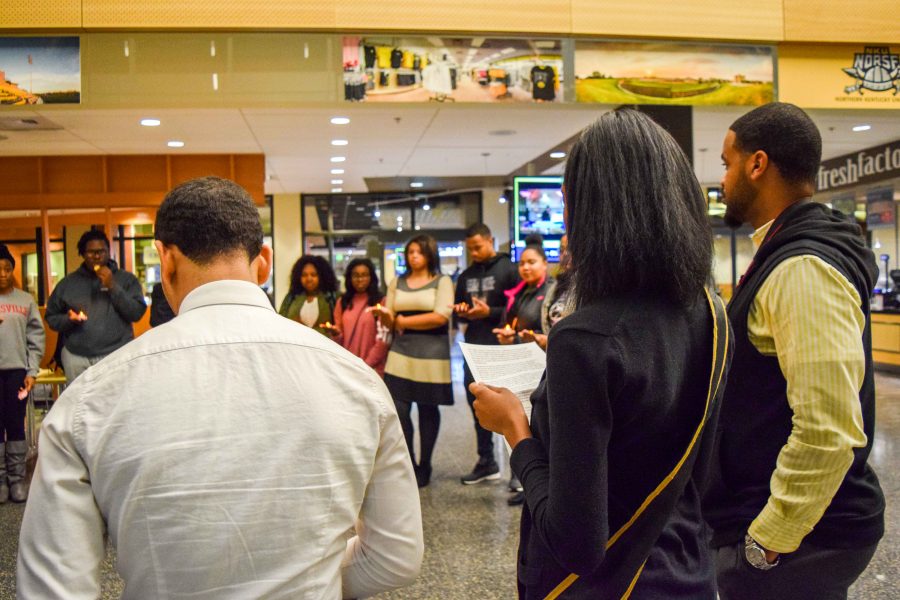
538, 206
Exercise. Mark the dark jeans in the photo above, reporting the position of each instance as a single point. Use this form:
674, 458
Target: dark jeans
484, 437
12, 410
810, 573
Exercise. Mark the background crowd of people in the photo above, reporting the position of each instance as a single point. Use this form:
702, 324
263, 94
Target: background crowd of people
669, 453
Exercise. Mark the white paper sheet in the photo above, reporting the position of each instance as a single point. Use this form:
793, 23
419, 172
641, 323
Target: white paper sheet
518, 367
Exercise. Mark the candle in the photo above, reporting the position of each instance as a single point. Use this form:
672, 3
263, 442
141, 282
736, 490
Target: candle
96, 268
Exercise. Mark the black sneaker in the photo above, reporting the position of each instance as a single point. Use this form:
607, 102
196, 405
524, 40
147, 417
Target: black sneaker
515, 485
481, 472
516, 499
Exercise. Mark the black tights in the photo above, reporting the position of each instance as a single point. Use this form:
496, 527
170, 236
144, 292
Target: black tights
429, 425
12, 410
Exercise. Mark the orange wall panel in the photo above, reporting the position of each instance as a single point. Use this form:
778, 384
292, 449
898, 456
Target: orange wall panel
191, 166
250, 172
761, 20
208, 14
869, 22
136, 173
73, 174
19, 174
44, 14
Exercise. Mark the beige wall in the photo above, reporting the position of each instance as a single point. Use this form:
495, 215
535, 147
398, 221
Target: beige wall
860, 21
287, 240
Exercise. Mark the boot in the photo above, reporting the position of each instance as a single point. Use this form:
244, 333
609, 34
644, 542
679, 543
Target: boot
4, 488
16, 453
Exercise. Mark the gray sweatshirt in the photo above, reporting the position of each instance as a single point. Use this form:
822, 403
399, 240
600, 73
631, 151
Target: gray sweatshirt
110, 313
21, 332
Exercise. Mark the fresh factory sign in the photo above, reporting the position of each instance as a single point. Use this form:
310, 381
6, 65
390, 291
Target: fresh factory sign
866, 166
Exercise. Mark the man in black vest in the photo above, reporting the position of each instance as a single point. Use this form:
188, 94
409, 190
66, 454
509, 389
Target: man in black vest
795, 509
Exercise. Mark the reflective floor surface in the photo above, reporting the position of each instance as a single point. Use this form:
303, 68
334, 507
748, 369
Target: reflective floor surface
471, 533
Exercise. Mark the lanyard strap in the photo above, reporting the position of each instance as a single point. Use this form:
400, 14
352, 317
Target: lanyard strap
721, 332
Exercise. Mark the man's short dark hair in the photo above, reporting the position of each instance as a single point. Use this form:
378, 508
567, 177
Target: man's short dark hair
478, 229
89, 236
209, 217
788, 137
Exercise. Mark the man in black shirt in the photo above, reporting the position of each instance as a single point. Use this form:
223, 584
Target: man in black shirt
480, 302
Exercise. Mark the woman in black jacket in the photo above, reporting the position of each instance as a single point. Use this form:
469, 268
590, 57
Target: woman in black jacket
612, 459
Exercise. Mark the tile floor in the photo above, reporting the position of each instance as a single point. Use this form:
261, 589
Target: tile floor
471, 534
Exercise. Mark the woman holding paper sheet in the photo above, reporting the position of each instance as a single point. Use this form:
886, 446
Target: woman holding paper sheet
621, 426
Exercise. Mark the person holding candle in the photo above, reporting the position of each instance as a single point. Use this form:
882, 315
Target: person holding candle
310, 299
21, 351
522, 318
418, 308
356, 328
93, 308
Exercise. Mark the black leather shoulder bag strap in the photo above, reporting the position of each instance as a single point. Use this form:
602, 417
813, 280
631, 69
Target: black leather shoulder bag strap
628, 548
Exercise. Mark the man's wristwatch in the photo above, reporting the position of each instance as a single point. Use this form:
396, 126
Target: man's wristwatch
756, 555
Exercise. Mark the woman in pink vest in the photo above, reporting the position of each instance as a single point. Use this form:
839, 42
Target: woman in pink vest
358, 330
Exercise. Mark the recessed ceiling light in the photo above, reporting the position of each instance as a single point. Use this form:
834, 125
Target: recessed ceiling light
502, 199
337, 171
416, 184
418, 227
337, 159
862, 128
399, 229
377, 213
337, 190
175, 144
426, 206
337, 181
557, 155
150, 122
339, 142
339, 120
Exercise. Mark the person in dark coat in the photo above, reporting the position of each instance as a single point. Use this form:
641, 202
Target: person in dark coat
622, 424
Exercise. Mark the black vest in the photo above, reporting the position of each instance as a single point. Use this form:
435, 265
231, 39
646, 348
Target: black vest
756, 418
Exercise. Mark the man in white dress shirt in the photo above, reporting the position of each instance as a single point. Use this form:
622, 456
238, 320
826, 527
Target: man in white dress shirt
229, 453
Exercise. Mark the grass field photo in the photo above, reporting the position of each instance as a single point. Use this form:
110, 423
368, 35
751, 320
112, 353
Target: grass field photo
643, 91
673, 73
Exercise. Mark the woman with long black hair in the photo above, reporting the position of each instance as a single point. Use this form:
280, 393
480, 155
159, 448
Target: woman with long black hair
622, 424
357, 329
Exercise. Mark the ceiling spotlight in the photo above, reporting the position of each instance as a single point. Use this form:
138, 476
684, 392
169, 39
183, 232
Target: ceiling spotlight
416, 184
337, 181
859, 128
399, 218
337, 190
426, 206
417, 227
337, 171
557, 155
175, 144
399, 229
150, 122
377, 213
502, 199
339, 120
339, 142
337, 159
